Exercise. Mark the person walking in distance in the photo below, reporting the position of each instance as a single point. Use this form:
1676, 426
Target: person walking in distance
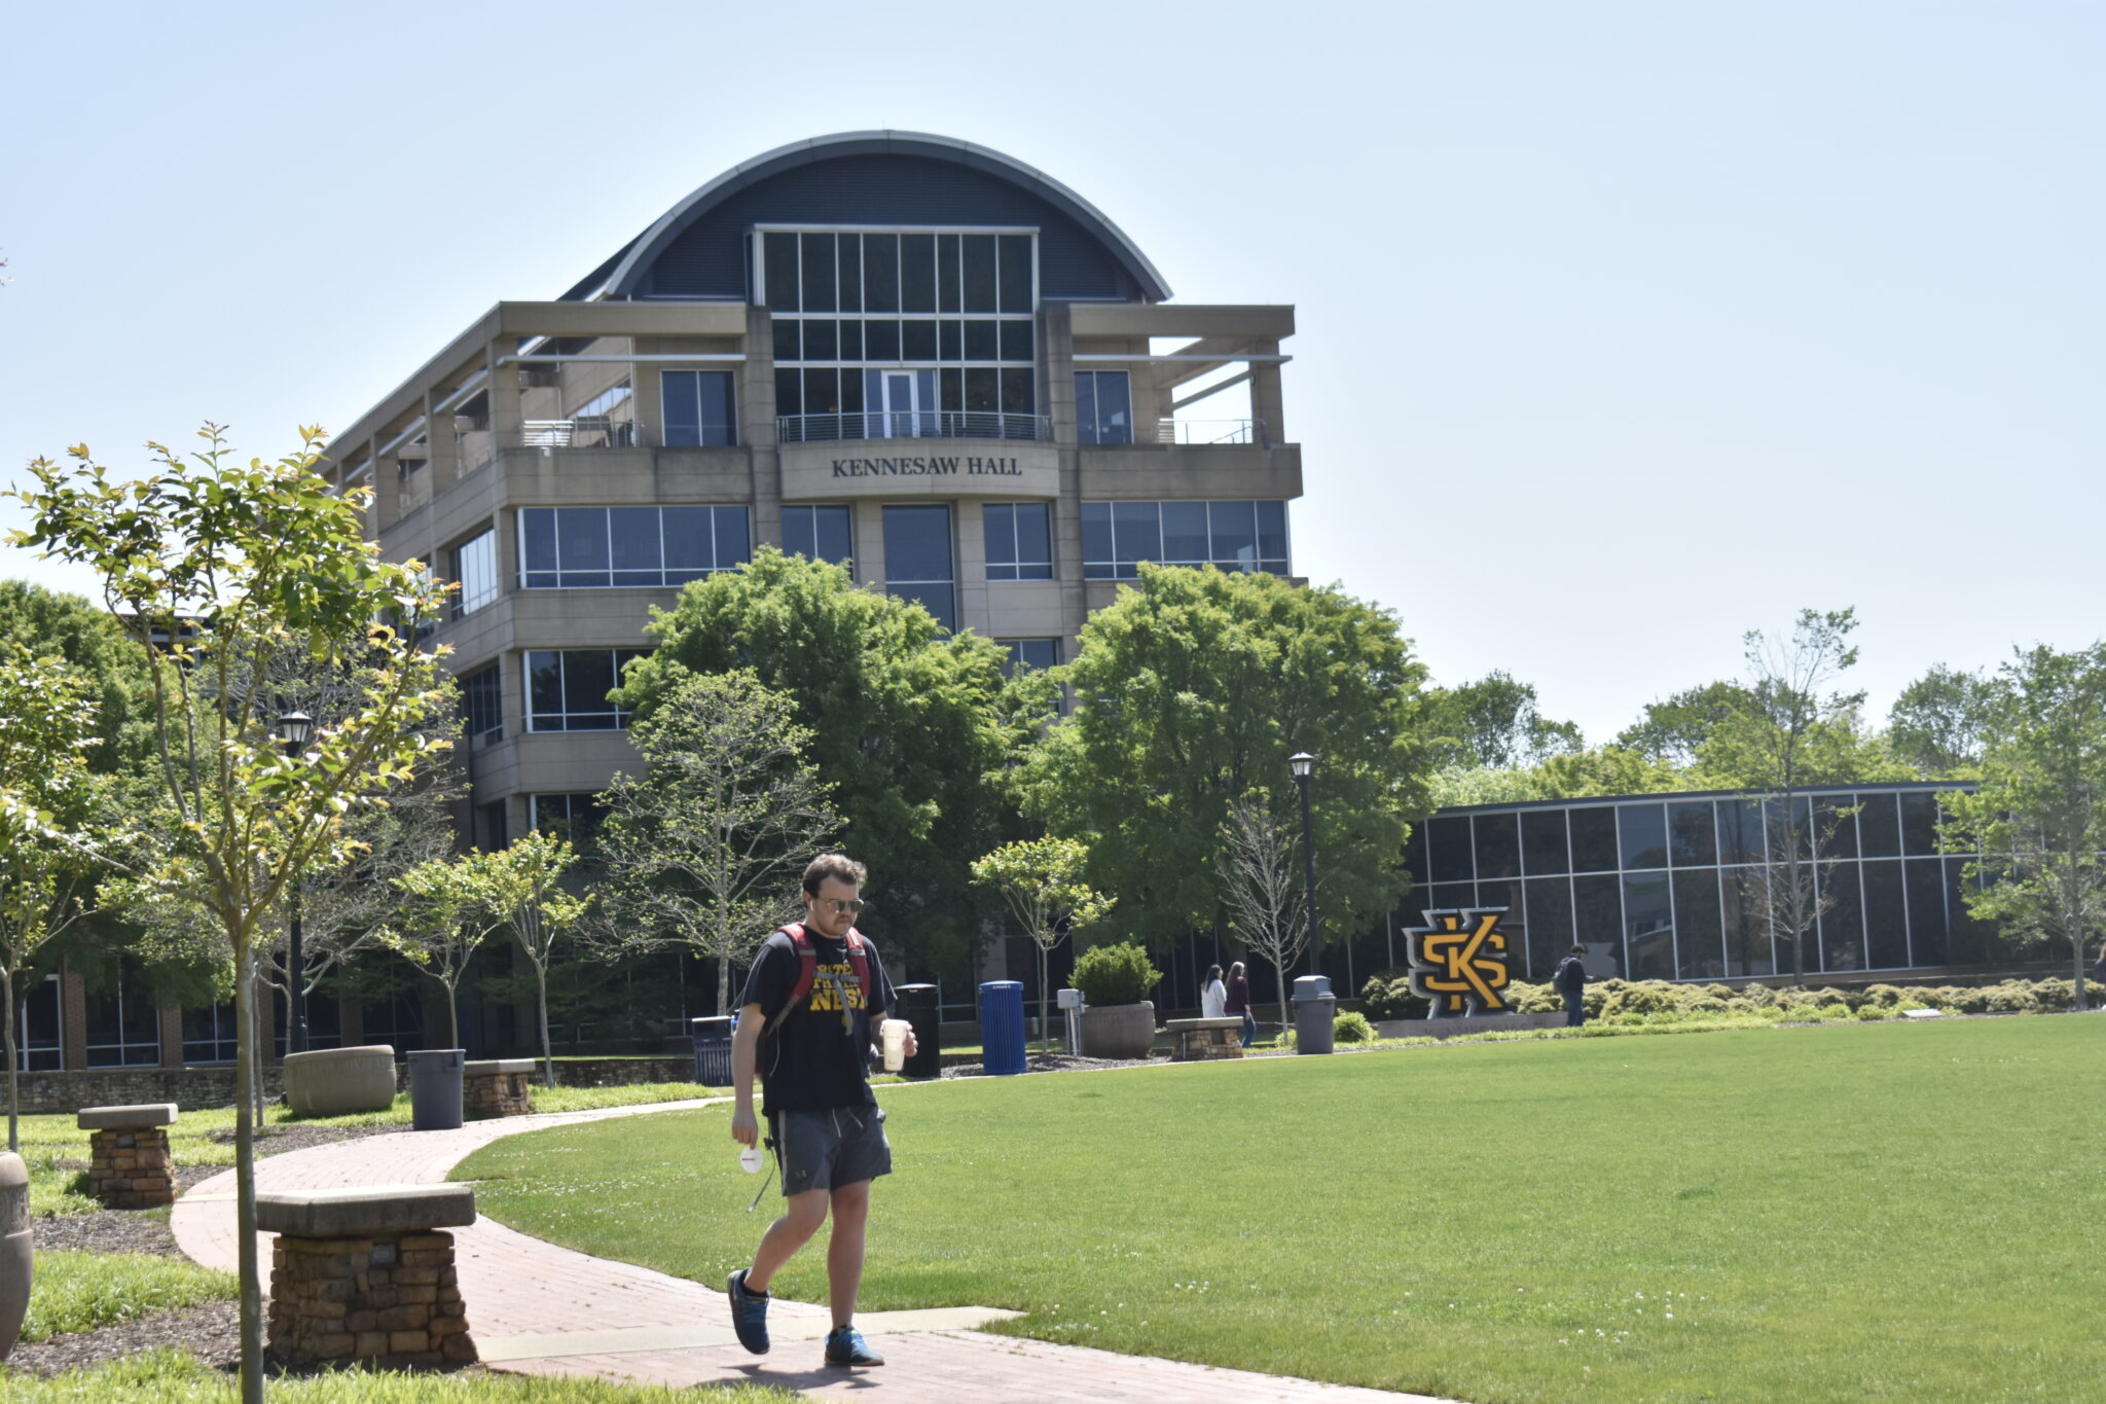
1571, 982
1238, 1002
805, 1022
1213, 995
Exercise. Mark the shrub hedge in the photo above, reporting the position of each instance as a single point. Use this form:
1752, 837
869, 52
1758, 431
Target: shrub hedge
1651, 1001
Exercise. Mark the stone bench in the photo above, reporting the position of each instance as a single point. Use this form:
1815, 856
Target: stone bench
367, 1276
494, 1087
1199, 1039
340, 1081
128, 1160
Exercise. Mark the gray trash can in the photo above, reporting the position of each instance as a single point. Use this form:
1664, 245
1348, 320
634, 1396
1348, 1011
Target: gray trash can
1314, 1009
435, 1088
712, 1037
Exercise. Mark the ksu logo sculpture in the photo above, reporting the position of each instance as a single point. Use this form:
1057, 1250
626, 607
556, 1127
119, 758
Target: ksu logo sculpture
1458, 960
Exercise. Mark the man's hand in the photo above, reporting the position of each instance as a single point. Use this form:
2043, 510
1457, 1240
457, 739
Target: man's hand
744, 1129
910, 1044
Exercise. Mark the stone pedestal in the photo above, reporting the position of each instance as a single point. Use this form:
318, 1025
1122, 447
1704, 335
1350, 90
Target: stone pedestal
128, 1165
339, 1081
1199, 1039
495, 1087
366, 1276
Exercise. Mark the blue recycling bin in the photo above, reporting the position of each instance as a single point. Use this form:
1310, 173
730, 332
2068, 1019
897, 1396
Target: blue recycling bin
1002, 1027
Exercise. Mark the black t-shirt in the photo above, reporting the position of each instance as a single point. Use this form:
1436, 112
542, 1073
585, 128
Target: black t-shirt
816, 1060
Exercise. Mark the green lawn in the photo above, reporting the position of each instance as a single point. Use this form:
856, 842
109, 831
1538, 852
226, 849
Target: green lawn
1846, 1212
170, 1377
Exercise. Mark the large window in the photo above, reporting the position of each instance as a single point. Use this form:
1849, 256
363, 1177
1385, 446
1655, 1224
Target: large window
210, 1035
1118, 536
1019, 540
38, 1045
1029, 653
567, 691
902, 332
819, 532
1103, 407
473, 565
602, 547
574, 817
698, 409
918, 559
123, 1023
483, 704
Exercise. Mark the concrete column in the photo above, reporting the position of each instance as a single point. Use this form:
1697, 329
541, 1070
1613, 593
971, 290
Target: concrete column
1266, 404
445, 465
387, 487
1056, 339
507, 414
756, 398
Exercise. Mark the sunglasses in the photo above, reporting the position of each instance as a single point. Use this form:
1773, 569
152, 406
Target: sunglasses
844, 908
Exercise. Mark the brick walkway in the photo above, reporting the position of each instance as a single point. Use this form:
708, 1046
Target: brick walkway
538, 1309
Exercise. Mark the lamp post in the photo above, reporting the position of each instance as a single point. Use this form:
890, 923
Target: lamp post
1304, 765
293, 729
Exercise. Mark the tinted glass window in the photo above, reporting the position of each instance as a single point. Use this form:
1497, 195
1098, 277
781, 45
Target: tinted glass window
1014, 254
819, 273
1235, 528
946, 272
1597, 918
981, 342
538, 534
1747, 931
918, 543
634, 532
980, 273
780, 253
1740, 831
1649, 929
1700, 952
1498, 846
1096, 540
917, 274
1137, 532
1924, 879
581, 540
1016, 341
1185, 532
1644, 831
1834, 827
881, 272
881, 341
1919, 823
1690, 835
1543, 841
851, 272
788, 335
1549, 924
1879, 826
1843, 924
1886, 921
819, 532
1593, 839
1272, 536
1789, 831
1450, 840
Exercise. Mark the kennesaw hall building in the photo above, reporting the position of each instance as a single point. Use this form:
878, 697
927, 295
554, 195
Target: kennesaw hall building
904, 352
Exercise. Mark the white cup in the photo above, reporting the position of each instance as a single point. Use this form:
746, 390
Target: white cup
893, 1033
750, 1160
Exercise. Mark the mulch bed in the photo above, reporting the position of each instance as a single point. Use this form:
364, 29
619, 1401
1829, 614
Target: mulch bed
211, 1332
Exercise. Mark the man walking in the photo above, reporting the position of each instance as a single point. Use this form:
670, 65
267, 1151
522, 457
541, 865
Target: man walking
1571, 982
805, 1023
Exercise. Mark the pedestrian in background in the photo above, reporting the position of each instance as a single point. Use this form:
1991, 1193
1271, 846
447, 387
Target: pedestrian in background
1239, 1002
1571, 982
1213, 995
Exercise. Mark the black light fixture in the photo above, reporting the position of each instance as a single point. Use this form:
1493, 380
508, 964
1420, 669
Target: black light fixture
1304, 767
294, 728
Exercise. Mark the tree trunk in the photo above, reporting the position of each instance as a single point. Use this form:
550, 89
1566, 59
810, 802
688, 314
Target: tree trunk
548, 1054
2079, 1006
453, 1016
245, 1180
723, 986
256, 1042
14, 1091
1279, 968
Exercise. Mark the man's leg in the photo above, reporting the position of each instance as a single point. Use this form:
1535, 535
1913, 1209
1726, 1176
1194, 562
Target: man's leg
792, 1231
844, 1250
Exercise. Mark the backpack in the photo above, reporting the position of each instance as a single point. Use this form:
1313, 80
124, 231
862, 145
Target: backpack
808, 969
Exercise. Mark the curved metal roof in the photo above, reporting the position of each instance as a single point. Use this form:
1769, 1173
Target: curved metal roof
629, 266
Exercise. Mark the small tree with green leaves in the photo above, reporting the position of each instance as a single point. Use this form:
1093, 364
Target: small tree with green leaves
1041, 881
524, 884
47, 885
444, 923
710, 843
2038, 820
210, 563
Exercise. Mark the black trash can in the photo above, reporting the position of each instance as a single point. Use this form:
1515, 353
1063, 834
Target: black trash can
712, 1038
917, 1005
1314, 1009
435, 1088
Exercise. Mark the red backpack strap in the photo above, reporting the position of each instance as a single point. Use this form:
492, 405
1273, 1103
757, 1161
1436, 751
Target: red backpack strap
807, 971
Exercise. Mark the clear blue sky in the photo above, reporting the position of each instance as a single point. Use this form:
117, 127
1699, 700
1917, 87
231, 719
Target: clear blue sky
1625, 327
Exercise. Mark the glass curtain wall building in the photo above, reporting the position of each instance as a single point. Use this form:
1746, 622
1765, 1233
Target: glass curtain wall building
1671, 887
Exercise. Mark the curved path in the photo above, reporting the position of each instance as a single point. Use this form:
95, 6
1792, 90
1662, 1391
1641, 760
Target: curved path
535, 1308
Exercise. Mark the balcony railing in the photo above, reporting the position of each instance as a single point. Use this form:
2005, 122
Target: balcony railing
912, 424
583, 431
1210, 431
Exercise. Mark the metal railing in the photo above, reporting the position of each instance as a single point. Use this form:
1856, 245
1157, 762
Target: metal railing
1210, 431
912, 424
583, 431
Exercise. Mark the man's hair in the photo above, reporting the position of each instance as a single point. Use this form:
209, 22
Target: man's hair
1578, 951
832, 865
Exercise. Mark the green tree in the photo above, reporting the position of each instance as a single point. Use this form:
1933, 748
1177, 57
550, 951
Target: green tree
445, 921
523, 883
1676, 729
710, 843
2038, 819
1268, 903
907, 724
208, 562
86, 637
1041, 881
47, 885
1194, 687
1497, 723
1604, 770
1941, 720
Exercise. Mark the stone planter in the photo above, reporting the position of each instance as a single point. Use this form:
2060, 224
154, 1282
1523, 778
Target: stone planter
339, 1081
16, 1261
1122, 1031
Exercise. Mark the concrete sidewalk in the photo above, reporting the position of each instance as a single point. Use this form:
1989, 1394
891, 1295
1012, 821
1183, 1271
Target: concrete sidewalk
538, 1309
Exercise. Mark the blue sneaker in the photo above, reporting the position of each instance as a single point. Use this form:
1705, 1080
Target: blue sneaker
847, 1347
749, 1315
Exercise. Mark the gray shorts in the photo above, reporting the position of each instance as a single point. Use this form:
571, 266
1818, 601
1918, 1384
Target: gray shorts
828, 1150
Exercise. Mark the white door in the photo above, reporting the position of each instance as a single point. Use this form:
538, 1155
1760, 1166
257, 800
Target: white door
899, 408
